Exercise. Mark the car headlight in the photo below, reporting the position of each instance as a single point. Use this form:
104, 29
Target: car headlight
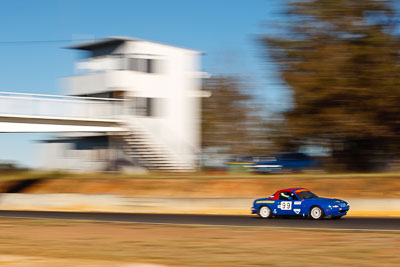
335, 206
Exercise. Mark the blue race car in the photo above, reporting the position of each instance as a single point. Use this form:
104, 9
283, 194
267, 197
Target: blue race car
299, 201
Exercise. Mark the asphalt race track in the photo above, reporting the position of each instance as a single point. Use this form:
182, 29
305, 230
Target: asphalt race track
346, 223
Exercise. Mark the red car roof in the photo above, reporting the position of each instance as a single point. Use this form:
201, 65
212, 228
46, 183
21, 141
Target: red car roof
276, 194
291, 189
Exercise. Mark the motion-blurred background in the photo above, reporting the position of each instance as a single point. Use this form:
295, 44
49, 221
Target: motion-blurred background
174, 116
290, 86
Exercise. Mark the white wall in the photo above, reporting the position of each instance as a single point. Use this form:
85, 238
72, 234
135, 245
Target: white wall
180, 119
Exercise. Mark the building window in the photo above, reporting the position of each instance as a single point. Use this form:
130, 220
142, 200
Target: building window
142, 65
133, 64
143, 106
150, 68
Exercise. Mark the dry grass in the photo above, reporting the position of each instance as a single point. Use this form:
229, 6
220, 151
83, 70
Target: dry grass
197, 246
210, 186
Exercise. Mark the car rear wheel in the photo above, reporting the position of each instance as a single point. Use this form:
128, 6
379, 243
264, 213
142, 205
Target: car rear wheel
317, 213
264, 212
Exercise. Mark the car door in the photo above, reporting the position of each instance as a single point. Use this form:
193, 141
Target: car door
286, 203
298, 205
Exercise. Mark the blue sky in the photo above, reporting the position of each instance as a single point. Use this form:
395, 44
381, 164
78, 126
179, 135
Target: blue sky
225, 30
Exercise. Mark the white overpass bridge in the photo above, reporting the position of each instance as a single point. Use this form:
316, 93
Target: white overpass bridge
32, 113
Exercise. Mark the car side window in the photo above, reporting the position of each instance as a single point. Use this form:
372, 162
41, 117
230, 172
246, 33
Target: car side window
294, 197
284, 195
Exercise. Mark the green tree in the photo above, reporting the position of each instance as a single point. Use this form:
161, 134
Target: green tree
341, 60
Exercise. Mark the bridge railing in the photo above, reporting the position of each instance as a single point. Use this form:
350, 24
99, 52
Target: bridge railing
58, 106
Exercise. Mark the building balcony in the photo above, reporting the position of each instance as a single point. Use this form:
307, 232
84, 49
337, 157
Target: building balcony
112, 80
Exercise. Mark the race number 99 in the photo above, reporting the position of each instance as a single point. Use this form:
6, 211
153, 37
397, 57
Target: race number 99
286, 205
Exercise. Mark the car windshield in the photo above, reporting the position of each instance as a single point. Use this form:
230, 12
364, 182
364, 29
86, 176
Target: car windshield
306, 195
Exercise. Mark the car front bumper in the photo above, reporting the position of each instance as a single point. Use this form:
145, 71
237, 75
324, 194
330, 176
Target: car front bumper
336, 211
254, 210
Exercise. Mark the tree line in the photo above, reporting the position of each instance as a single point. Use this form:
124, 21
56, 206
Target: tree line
340, 59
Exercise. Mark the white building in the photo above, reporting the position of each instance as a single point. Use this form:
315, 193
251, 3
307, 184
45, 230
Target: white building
158, 88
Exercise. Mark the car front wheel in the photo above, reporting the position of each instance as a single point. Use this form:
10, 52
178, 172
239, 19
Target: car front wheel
317, 213
265, 212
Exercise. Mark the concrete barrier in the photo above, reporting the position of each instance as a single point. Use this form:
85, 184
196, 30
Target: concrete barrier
116, 203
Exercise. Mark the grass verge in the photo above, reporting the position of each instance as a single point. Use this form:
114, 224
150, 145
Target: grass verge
203, 185
196, 246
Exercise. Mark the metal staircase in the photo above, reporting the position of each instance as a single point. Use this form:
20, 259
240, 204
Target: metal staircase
155, 156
